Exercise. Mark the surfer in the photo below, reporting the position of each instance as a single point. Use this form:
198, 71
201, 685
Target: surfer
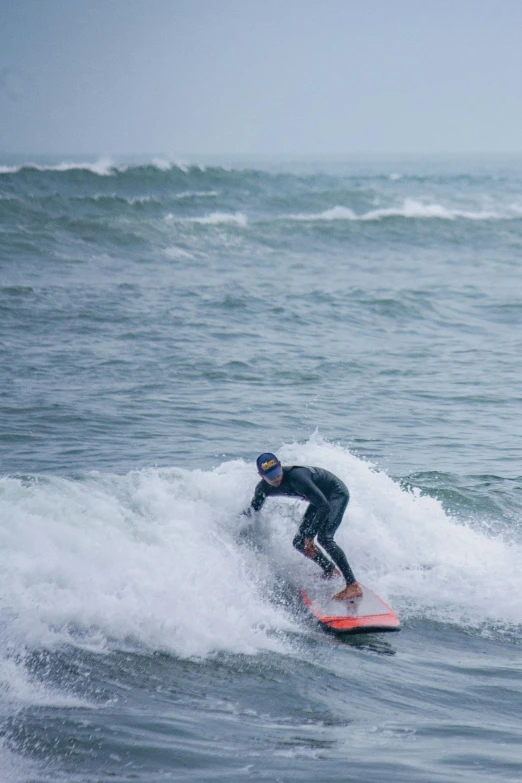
328, 498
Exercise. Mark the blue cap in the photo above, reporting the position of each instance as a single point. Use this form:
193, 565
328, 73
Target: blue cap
269, 466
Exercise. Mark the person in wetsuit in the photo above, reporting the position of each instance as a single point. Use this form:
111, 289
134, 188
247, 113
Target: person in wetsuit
328, 498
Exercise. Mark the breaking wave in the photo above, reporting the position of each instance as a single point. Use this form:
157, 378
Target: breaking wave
411, 209
155, 557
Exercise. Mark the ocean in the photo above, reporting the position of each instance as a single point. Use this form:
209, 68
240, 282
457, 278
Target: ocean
161, 324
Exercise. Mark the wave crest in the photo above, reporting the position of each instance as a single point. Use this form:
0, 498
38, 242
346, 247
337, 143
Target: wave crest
116, 558
104, 167
410, 209
214, 219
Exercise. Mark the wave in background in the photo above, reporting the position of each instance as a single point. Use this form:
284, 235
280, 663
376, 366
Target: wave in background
412, 209
103, 167
181, 190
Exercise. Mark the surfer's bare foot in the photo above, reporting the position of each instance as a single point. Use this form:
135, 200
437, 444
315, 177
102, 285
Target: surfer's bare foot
349, 593
331, 574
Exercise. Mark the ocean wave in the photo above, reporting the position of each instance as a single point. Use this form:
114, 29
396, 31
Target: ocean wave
114, 559
167, 165
214, 219
103, 167
426, 562
108, 167
177, 253
98, 562
188, 194
410, 209
109, 198
130, 200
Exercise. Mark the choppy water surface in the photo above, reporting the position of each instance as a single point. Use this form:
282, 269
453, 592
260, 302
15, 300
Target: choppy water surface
160, 325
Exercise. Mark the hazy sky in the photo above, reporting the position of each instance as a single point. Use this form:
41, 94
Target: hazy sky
260, 76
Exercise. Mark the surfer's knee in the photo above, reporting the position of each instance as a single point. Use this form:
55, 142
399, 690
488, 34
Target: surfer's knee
299, 542
325, 540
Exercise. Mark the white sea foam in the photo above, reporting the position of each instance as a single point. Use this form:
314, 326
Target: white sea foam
20, 687
409, 209
149, 557
238, 218
197, 194
162, 164
177, 252
214, 219
153, 558
104, 167
424, 561
335, 213
131, 200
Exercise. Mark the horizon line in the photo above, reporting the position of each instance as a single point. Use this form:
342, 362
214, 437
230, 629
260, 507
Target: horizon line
265, 154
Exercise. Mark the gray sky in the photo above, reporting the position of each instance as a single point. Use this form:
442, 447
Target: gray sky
260, 76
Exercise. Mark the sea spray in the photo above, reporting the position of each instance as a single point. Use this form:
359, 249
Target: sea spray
141, 557
154, 557
426, 561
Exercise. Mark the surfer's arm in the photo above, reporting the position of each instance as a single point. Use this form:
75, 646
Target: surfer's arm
258, 499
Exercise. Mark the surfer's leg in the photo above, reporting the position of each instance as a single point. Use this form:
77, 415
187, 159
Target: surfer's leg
325, 537
303, 541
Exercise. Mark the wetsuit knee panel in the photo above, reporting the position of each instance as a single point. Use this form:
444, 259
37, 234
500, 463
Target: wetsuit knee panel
299, 542
325, 539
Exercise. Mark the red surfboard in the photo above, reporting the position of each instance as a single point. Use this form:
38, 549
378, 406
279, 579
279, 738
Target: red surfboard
368, 614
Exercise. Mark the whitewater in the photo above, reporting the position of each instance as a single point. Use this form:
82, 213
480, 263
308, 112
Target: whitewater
161, 324
154, 557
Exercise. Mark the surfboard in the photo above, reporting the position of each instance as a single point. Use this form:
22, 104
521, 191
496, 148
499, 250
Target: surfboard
368, 614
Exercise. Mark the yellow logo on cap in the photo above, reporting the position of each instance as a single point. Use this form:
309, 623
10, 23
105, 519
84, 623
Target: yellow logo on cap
270, 464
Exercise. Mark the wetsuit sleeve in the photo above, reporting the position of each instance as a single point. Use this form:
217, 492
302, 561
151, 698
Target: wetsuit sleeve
259, 496
304, 484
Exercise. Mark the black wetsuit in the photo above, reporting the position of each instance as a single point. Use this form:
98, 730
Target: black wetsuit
328, 498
